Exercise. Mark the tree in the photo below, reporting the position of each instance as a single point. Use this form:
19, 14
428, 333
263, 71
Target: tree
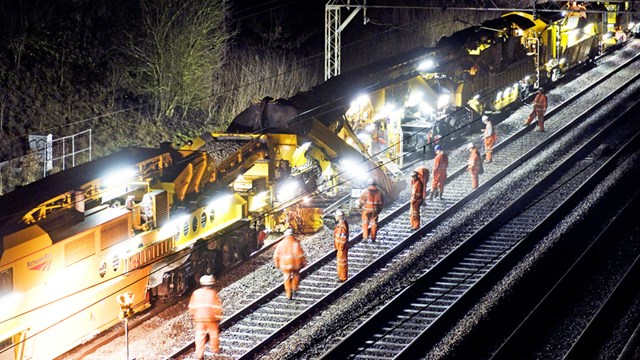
180, 46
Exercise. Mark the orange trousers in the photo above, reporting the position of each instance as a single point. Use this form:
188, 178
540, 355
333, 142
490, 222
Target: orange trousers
343, 267
540, 115
474, 179
414, 214
291, 281
488, 146
438, 181
369, 218
204, 330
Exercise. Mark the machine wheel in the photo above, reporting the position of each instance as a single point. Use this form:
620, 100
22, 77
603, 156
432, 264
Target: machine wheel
230, 254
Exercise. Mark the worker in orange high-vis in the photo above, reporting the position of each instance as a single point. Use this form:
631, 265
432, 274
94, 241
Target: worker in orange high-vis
490, 138
205, 308
423, 175
539, 108
290, 259
475, 165
341, 244
371, 203
440, 164
417, 198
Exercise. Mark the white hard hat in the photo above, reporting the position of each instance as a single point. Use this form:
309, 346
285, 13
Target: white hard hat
485, 118
371, 181
339, 212
289, 231
207, 280
470, 146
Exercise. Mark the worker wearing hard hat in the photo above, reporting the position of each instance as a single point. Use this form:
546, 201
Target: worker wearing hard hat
205, 308
290, 259
440, 164
341, 244
371, 203
489, 136
475, 165
539, 108
417, 192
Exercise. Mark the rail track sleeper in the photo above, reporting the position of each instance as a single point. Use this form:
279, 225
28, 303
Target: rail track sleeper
475, 257
464, 274
429, 316
483, 253
454, 279
319, 283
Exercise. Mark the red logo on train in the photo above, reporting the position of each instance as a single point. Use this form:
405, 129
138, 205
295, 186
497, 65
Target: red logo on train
40, 264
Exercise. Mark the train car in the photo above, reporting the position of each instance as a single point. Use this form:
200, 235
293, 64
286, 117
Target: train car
143, 221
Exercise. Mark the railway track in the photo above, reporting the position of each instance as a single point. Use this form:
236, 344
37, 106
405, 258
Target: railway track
415, 319
271, 317
588, 298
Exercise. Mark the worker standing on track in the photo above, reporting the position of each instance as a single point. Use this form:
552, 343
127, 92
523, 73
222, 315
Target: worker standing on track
475, 165
490, 137
539, 108
341, 244
417, 198
371, 203
289, 258
440, 164
205, 308
423, 175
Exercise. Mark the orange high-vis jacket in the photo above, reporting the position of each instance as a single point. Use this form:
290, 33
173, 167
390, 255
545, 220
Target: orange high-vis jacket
205, 305
289, 255
423, 175
540, 102
371, 199
341, 236
474, 161
417, 190
440, 164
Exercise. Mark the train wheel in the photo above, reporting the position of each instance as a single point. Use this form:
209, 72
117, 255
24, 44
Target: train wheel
180, 283
230, 254
246, 251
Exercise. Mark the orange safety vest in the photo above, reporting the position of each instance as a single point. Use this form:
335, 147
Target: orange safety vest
289, 255
371, 199
205, 305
